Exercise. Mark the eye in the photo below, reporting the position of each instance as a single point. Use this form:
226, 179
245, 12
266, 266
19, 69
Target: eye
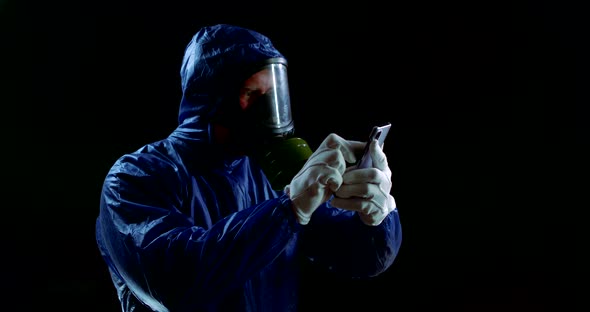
250, 94
247, 92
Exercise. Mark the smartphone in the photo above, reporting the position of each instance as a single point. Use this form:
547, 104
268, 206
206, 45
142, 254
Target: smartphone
378, 133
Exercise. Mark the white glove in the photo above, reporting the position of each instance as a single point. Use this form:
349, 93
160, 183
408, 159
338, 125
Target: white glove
367, 190
321, 175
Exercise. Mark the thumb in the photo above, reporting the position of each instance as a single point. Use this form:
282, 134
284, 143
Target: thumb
378, 156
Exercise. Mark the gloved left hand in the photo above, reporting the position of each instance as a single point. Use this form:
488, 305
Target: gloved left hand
321, 175
367, 190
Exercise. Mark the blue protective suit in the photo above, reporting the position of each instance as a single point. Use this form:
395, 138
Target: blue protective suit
184, 227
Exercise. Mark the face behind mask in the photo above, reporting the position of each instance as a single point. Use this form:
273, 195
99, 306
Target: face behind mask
269, 133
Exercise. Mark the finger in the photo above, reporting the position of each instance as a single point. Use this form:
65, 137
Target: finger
391, 203
331, 178
364, 175
352, 204
361, 205
379, 158
325, 174
348, 148
352, 190
319, 179
372, 192
327, 157
366, 183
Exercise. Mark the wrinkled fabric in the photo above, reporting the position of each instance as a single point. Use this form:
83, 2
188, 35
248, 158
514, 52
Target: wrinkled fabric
184, 227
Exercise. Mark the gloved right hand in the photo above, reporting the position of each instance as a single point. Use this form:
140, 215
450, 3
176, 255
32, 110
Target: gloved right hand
321, 175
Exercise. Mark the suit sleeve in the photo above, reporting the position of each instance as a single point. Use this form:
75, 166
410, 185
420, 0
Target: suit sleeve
167, 260
337, 240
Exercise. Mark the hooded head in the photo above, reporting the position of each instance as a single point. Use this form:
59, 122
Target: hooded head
235, 93
216, 63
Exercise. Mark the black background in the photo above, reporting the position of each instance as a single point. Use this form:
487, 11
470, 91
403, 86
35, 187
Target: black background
487, 102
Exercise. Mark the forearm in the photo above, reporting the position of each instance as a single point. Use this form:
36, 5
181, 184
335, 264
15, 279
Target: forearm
339, 241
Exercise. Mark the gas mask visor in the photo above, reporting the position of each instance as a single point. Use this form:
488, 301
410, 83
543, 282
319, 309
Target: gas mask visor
281, 154
272, 108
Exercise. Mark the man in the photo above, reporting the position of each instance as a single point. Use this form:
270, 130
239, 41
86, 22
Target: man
193, 223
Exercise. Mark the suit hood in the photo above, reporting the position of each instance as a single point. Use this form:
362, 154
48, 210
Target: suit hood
216, 62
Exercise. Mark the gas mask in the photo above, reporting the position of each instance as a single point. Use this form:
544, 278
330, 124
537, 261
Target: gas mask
273, 143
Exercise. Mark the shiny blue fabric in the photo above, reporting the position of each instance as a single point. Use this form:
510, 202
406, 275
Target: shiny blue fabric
184, 227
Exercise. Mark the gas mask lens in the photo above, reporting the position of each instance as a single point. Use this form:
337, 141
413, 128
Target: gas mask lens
273, 107
278, 151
